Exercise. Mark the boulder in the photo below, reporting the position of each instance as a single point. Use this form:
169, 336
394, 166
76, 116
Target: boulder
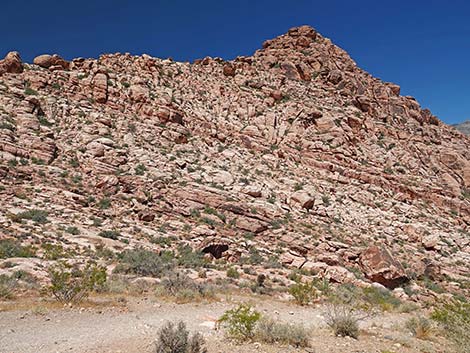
11, 64
51, 61
303, 199
229, 70
100, 87
379, 266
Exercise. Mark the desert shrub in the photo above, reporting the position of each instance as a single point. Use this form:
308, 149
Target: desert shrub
7, 287
454, 319
419, 326
176, 339
37, 216
54, 252
145, 262
303, 293
343, 320
271, 331
189, 258
73, 230
110, 234
71, 284
381, 298
184, 289
13, 248
240, 322
233, 273
104, 203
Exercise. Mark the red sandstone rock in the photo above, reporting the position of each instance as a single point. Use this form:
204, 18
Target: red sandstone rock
379, 266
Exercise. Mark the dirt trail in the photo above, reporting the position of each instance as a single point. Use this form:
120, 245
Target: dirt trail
133, 328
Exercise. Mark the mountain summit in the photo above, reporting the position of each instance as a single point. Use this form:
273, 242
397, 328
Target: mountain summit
292, 158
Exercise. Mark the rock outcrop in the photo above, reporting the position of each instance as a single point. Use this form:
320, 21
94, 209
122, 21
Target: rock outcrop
11, 64
291, 157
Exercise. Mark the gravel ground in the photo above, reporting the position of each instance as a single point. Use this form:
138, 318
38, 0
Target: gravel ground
132, 327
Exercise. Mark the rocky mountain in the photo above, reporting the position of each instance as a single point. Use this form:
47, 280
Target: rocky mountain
463, 127
292, 158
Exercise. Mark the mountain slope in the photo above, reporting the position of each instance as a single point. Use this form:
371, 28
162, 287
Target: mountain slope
293, 156
463, 127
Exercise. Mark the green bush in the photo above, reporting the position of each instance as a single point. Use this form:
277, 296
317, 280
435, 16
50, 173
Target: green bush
419, 326
303, 293
13, 248
175, 339
145, 262
184, 289
343, 320
37, 216
454, 319
73, 230
380, 297
7, 287
233, 273
110, 234
70, 284
240, 322
271, 331
104, 203
54, 252
189, 258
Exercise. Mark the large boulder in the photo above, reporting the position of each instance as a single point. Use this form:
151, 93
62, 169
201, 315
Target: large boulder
304, 199
51, 61
11, 64
379, 266
100, 87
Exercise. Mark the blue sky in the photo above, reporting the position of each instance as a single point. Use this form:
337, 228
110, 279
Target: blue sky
424, 46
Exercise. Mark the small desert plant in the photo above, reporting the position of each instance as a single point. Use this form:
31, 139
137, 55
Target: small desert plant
381, 298
73, 230
189, 258
271, 331
419, 326
303, 293
54, 252
184, 289
13, 248
233, 273
343, 320
454, 319
37, 216
7, 286
70, 284
110, 234
145, 262
176, 339
240, 322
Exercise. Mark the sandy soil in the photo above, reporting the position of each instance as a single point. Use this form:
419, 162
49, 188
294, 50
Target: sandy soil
131, 325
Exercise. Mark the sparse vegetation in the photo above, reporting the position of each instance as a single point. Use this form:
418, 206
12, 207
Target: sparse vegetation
420, 327
176, 339
454, 320
110, 234
72, 284
233, 273
13, 248
273, 332
343, 320
240, 322
303, 293
184, 289
37, 216
7, 287
145, 262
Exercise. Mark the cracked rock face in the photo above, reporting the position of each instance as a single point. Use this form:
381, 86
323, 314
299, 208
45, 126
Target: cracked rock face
293, 156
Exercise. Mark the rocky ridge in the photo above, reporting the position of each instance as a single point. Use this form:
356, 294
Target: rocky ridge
464, 127
293, 155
